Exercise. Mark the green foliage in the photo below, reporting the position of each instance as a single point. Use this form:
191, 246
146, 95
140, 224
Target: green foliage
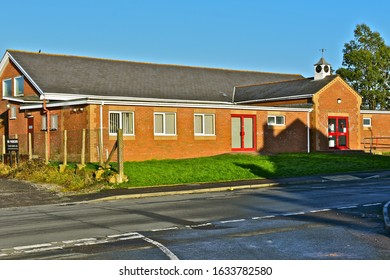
39, 172
366, 68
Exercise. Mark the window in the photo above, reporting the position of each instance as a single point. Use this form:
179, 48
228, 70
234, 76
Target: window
13, 112
121, 120
165, 123
7, 88
53, 122
204, 124
276, 120
367, 122
19, 86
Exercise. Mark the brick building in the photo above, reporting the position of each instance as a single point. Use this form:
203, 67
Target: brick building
170, 111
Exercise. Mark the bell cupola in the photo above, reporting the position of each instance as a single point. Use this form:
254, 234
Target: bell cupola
321, 69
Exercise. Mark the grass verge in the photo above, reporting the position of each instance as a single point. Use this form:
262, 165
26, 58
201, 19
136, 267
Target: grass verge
243, 166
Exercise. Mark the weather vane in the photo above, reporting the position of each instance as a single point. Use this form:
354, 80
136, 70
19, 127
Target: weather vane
322, 50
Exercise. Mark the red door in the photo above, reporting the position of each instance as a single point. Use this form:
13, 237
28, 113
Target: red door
338, 133
243, 133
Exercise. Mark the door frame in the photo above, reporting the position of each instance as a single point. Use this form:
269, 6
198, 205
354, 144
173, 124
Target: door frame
336, 133
242, 132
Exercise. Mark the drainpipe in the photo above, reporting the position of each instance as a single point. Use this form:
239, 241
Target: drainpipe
101, 135
308, 130
47, 112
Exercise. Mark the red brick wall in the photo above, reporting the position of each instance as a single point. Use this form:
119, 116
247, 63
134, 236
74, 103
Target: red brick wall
380, 127
325, 105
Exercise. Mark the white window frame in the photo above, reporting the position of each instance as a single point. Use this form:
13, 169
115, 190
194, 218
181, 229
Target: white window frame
15, 86
53, 122
275, 117
4, 87
120, 113
12, 112
203, 133
367, 125
164, 133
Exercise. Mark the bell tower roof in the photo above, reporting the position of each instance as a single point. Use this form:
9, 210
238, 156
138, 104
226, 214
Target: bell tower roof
322, 61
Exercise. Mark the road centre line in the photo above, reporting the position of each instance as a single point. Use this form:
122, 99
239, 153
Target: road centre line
293, 214
21, 248
164, 229
232, 221
372, 204
347, 207
320, 210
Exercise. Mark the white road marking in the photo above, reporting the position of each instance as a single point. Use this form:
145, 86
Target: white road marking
164, 229
164, 249
79, 240
39, 250
372, 204
320, 210
200, 225
339, 178
123, 235
347, 207
232, 221
293, 214
264, 217
21, 248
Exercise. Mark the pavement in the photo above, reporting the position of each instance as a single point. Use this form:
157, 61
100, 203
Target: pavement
14, 193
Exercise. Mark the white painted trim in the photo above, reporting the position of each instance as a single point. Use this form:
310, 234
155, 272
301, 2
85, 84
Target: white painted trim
203, 124
69, 96
374, 112
164, 121
15, 99
120, 122
167, 104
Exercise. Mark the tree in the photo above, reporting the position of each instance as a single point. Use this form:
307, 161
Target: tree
366, 68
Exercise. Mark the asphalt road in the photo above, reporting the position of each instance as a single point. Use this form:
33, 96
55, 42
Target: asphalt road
331, 220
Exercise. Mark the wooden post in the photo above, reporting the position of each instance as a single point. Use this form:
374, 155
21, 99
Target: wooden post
82, 162
120, 155
46, 148
4, 150
65, 162
65, 147
100, 148
30, 153
83, 147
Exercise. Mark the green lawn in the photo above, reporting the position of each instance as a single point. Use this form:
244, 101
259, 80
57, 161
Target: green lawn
242, 166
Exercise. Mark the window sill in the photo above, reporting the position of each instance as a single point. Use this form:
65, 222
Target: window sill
205, 137
165, 137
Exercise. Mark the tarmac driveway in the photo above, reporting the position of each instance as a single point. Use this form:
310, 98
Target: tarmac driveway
14, 193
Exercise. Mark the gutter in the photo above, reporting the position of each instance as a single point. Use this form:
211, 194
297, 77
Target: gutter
47, 112
229, 106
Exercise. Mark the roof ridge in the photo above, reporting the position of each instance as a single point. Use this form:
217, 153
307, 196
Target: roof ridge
152, 63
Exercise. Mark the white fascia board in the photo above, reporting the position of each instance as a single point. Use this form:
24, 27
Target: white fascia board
164, 104
200, 105
69, 96
19, 100
56, 104
374, 112
25, 74
276, 99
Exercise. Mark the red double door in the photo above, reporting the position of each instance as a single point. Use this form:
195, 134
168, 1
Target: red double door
243, 132
338, 133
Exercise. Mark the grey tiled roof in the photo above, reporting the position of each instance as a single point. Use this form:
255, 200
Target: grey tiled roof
281, 90
103, 77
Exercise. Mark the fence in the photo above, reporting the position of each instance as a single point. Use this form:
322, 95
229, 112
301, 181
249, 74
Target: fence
377, 143
69, 145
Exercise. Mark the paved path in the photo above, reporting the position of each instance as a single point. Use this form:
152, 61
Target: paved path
15, 193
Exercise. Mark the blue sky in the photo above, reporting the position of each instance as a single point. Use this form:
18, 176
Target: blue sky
270, 36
